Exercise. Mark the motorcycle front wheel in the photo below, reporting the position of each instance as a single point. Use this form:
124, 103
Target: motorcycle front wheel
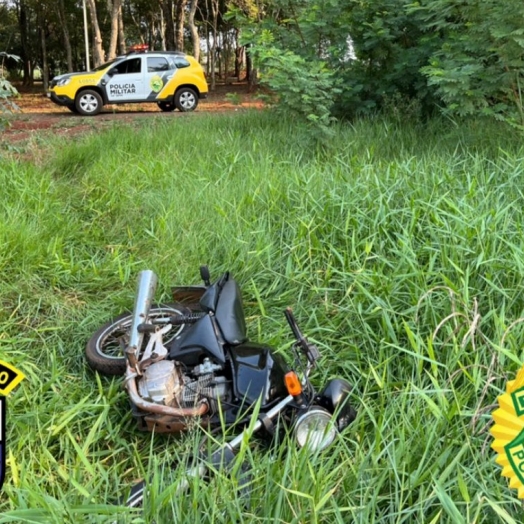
105, 349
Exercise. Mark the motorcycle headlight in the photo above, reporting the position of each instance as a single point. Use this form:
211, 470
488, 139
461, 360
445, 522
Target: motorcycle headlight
315, 429
63, 82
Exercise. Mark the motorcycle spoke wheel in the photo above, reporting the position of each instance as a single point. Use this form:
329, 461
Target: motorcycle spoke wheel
105, 349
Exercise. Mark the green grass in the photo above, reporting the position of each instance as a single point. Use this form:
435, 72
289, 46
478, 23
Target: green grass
373, 239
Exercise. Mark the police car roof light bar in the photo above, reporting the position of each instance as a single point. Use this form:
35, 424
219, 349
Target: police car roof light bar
137, 48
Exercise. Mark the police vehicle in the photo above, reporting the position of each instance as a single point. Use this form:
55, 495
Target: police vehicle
171, 79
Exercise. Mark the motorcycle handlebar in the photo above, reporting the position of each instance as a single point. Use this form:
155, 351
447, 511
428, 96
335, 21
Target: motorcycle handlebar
293, 324
175, 320
310, 350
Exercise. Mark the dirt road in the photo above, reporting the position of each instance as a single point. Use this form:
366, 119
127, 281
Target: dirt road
39, 117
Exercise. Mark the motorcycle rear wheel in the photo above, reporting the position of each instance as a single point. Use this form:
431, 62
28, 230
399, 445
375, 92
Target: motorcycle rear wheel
105, 349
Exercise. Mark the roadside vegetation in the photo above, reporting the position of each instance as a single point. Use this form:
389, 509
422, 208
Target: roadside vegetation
400, 249
322, 59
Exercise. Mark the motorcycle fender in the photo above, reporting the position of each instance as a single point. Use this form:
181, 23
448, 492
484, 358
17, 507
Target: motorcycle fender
335, 398
189, 296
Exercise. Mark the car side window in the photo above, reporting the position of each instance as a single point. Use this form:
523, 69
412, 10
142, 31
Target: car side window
181, 62
156, 64
134, 65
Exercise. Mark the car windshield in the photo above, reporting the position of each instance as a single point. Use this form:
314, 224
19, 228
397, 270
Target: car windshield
103, 66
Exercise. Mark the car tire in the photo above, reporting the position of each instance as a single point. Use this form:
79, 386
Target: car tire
186, 99
88, 102
166, 106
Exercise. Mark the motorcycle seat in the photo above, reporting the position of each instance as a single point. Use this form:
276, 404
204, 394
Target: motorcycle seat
229, 314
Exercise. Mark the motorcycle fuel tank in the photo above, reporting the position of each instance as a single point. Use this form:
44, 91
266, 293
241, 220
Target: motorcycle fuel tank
258, 373
199, 339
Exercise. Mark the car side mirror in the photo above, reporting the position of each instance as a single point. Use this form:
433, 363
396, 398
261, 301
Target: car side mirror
111, 72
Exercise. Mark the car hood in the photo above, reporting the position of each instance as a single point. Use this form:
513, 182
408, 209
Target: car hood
68, 75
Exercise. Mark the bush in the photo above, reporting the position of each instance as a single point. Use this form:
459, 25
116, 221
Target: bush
305, 89
7, 90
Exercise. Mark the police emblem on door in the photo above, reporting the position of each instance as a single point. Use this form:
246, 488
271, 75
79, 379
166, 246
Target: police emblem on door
10, 377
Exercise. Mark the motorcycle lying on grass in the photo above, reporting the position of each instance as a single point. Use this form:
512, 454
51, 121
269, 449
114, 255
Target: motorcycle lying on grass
191, 363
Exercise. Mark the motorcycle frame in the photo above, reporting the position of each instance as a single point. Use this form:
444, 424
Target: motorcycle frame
170, 419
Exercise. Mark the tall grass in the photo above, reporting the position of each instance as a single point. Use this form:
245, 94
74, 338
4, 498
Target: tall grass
375, 240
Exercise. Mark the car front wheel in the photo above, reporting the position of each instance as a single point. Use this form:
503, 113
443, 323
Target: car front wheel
186, 99
88, 103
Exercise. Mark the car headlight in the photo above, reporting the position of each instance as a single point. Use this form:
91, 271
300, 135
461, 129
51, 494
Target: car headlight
315, 429
63, 82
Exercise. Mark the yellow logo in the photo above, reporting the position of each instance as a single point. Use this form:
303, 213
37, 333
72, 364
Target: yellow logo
156, 83
508, 432
10, 377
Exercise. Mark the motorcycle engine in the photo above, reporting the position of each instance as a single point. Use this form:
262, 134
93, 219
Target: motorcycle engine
169, 383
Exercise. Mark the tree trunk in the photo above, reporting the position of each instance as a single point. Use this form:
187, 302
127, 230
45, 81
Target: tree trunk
249, 65
220, 56
253, 80
65, 33
180, 19
98, 49
121, 34
26, 57
228, 45
167, 8
208, 58
214, 11
162, 30
45, 65
194, 30
252, 72
139, 29
238, 55
252, 75
113, 39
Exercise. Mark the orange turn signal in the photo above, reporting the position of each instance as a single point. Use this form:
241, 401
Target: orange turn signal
293, 385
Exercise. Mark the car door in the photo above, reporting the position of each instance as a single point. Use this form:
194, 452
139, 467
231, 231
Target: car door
159, 71
126, 81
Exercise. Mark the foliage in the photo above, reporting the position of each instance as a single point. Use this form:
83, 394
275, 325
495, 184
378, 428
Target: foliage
357, 241
353, 57
7, 90
479, 68
358, 53
293, 49
305, 89
390, 46
466, 58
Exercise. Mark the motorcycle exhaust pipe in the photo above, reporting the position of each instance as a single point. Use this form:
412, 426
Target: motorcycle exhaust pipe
145, 293
160, 409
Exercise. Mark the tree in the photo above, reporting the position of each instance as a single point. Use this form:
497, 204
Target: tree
180, 8
169, 24
98, 49
65, 32
115, 10
26, 51
195, 39
48, 34
479, 67
42, 24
